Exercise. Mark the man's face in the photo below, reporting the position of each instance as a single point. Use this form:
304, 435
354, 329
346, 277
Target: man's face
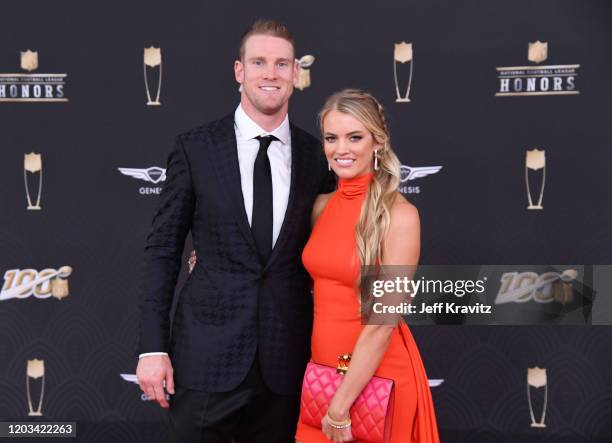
267, 73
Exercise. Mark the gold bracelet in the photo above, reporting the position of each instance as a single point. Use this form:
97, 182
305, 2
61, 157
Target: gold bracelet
346, 423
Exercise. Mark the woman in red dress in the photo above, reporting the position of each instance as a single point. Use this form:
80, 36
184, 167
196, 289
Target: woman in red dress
365, 222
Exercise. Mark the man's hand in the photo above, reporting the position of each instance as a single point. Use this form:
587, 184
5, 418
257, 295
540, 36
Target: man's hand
153, 372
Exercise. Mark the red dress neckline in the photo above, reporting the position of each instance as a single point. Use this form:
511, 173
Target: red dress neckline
354, 187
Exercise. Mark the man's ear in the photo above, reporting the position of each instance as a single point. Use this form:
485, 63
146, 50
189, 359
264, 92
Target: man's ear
239, 71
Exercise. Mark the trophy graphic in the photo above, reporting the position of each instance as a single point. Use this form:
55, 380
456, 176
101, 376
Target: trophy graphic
536, 377
152, 58
303, 80
35, 370
29, 60
537, 51
402, 54
32, 163
535, 159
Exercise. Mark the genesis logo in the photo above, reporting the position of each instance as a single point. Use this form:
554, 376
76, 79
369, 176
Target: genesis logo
408, 173
154, 175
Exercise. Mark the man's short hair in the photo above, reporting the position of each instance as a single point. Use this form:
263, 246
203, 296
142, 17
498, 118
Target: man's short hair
266, 27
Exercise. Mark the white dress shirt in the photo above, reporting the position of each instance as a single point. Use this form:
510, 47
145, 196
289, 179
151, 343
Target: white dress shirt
279, 154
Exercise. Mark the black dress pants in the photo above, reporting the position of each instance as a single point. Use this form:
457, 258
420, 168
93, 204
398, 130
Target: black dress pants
251, 413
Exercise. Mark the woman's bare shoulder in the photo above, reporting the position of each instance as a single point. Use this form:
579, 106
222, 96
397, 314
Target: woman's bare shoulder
404, 215
403, 238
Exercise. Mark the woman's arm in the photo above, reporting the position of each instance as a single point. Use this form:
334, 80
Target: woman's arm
401, 247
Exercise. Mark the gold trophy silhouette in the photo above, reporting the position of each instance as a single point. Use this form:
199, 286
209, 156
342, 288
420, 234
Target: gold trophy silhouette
535, 160
402, 54
35, 370
152, 58
32, 163
536, 377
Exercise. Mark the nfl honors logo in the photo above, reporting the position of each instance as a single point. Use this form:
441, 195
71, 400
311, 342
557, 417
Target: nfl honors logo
538, 79
31, 86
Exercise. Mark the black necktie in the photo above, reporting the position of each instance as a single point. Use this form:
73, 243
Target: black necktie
261, 221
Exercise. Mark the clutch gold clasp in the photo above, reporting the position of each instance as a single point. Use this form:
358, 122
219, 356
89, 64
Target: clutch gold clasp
343, 361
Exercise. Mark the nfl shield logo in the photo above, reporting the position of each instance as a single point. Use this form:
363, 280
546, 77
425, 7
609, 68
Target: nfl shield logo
538, 51
29, 60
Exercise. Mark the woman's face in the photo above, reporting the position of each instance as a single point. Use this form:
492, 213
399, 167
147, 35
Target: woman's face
349, 145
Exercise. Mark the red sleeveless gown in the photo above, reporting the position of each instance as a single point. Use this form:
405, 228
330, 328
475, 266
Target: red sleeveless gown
330, 256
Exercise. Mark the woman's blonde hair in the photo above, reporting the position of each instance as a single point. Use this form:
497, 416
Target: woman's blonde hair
375, 214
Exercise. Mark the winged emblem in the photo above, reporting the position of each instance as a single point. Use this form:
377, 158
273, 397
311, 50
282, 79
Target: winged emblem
412, 172
153, 174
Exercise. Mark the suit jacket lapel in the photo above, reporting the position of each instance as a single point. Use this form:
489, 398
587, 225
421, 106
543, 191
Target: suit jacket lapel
224, 154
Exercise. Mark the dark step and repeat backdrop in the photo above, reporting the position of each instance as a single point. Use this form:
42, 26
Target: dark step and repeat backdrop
499, 112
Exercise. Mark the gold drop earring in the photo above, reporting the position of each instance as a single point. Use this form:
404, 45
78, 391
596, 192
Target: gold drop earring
376, 159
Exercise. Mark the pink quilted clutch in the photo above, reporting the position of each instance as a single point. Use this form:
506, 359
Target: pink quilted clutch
371, 414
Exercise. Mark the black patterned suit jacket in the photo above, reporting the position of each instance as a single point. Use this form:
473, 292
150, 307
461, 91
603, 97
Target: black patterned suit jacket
232, 304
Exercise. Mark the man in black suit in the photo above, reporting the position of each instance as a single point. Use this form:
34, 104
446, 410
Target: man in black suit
244, 185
